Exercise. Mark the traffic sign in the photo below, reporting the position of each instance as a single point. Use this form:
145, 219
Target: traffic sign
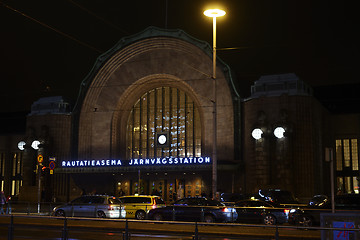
52, 165
40, 158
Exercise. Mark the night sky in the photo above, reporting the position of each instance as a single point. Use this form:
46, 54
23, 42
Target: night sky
48, 46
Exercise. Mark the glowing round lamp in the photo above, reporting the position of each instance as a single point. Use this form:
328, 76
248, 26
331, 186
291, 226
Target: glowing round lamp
162, 139
256, 133
35, 144
21, 145
279, 132
214, 13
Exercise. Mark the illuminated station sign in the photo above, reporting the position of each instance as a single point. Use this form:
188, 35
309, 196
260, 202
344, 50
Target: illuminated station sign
167, 161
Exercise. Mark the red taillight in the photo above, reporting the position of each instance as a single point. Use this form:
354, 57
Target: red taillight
110, 207
225, 210
153, 206
286, 211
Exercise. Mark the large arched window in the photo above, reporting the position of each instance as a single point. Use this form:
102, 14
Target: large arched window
169, 110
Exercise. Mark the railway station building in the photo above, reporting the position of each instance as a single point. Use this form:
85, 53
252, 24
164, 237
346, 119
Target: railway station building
144, 123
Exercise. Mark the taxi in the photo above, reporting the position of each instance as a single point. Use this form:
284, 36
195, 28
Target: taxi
138, 206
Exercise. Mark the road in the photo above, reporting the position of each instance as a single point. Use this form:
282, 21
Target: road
37, 227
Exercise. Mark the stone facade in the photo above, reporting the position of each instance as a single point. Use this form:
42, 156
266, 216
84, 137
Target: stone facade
295, 162
152, 59
140, 67
49, 122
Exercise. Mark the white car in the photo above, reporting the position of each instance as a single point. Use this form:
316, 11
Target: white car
102, 206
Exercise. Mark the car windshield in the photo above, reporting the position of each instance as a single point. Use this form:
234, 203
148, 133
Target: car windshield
346, 201
284, 197
181, 202
277, 196
114, 200
214, 203
159, 201
318, 200
231, 197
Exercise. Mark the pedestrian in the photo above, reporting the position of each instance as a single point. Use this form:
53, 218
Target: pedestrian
2, 202
8, 205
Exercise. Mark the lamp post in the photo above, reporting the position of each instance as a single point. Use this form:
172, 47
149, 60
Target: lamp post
35, 145
214, 13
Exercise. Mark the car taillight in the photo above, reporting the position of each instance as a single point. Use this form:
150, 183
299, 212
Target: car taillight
110, 207
226, 210
153, 206
286, 211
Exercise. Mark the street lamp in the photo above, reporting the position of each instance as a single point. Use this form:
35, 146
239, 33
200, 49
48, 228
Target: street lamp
36, 145
214, 13
279, 132
257, 133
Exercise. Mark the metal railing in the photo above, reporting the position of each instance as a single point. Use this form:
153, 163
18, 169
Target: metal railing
125, 228
29, 208
46, 209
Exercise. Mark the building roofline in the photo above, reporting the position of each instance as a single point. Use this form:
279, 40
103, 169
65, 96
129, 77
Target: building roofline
149, 33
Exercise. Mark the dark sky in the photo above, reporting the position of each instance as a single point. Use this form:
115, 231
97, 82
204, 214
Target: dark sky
47, 47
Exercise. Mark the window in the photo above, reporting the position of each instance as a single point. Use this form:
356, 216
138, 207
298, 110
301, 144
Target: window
97, 200
114, 201
356, 184
2, 170
347, 165
80, 200
16, 177
182, 202
354, 154
159, 201
164, 109
346, 153
339, 155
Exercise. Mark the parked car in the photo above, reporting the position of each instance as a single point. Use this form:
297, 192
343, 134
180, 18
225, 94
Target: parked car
198, 209
279, 197
343, 201
258, 211
230, 198
138, 206
310, 215
102, 206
